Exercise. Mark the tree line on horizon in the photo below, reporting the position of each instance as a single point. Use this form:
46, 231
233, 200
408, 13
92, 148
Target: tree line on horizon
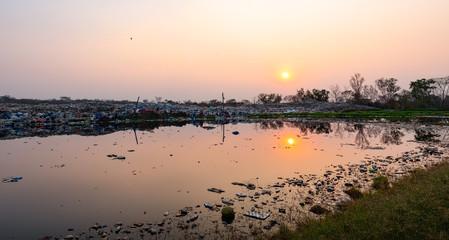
384, 93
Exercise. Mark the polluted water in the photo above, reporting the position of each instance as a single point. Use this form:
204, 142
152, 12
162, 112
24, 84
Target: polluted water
174, 181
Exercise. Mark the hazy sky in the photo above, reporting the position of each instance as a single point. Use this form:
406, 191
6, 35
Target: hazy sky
194, 50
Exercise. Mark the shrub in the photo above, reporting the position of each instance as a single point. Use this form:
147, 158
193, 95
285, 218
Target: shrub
380, 183
317, 209
354, 193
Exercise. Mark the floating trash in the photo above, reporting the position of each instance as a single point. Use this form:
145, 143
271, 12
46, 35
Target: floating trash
227, 201
208, 205
375, 148
257, 215
215, 190
11, 179
241, 195
192, 218
238, 184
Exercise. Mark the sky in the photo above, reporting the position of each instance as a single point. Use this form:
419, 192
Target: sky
195, 50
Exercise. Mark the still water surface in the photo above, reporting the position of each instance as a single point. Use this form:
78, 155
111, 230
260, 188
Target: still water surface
70, 182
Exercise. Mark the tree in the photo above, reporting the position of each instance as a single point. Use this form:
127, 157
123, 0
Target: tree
269, 98
387, 91
369, 94
442, 89
421, 90
6, 99
300, 94
190, 102
291, 98
262, 98
335, 93
277, 98
214, 102
346, 96
309, 95
356, 83
231, 102
405, 100
246, 102
65, 99
321, 95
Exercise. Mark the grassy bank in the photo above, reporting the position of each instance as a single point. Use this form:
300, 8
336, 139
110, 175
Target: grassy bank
417, 207
375, 114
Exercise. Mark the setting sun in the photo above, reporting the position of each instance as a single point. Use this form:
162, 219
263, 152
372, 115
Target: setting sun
290, 141
285, 75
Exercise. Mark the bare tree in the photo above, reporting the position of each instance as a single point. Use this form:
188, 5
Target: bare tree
346, 95
442, 88
369, 93
356, 83
335, 93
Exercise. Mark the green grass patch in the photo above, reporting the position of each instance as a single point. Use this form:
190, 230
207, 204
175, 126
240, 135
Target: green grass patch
369, 114
417, 207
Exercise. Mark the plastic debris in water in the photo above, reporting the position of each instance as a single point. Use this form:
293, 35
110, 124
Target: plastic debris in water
11, 179
207, 205
256, 215
193, 218
227, 201
241, 195
215, 190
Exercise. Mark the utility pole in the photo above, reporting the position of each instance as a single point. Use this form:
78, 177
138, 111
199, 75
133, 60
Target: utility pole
137, 104
222, 104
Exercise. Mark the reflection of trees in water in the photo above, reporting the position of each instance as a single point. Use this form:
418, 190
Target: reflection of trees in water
364, 132
324, 127
392, 135
426, 135
304, 128
360, 138
373, 131
338, 129
389, 134
274, 124
313, 127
